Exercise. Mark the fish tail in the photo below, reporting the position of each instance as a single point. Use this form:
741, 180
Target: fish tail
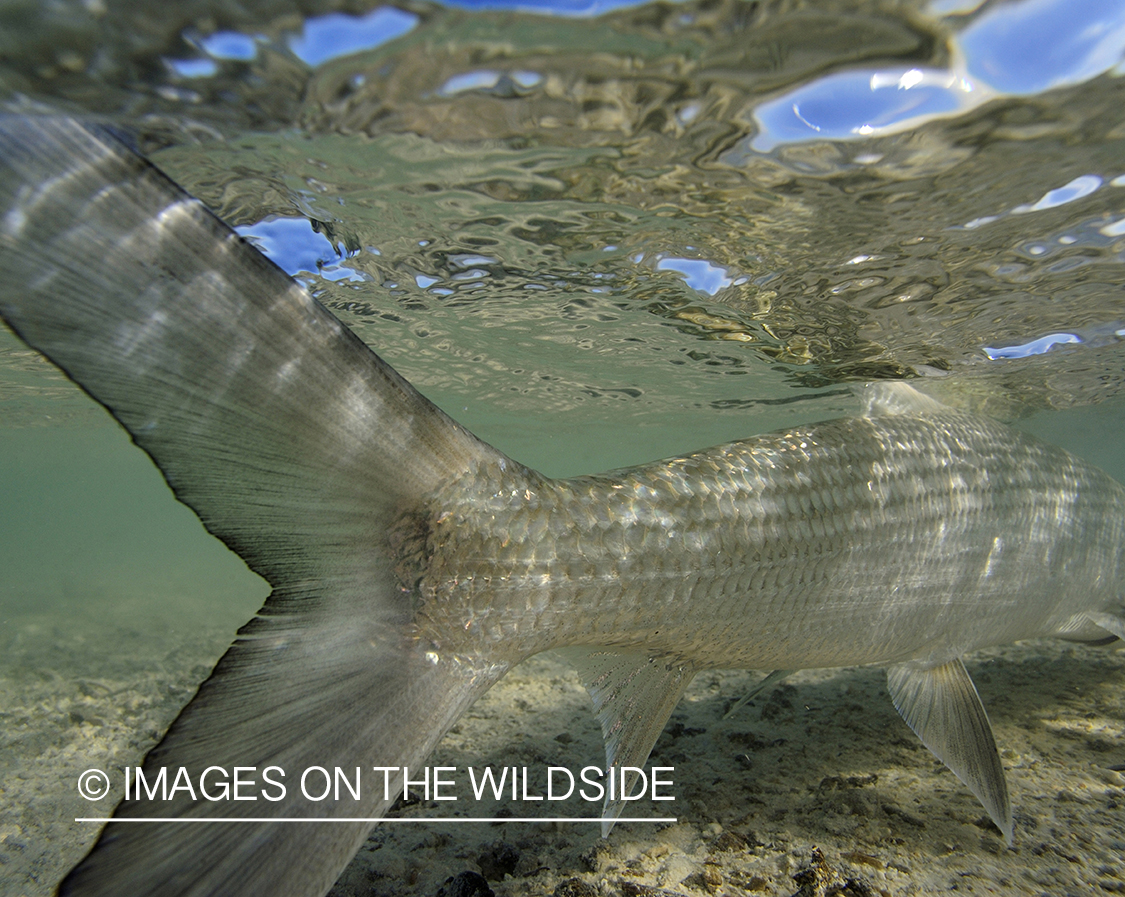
296, 446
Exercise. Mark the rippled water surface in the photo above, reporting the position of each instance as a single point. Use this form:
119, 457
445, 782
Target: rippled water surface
701, 204
596, 234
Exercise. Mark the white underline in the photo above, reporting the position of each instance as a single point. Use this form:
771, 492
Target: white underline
380, 820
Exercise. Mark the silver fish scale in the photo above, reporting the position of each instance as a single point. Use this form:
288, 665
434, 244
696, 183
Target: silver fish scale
853, 541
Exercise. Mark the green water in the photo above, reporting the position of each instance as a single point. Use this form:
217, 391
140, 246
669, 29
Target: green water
567, 234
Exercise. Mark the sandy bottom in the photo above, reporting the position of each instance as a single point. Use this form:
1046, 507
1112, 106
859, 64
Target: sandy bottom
814, 788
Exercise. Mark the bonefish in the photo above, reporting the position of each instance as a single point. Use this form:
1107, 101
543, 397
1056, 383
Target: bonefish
412, 565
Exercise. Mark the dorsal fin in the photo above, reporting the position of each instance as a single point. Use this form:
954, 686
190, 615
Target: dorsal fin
889, 397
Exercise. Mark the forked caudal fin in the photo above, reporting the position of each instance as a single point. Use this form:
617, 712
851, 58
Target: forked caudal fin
296, 446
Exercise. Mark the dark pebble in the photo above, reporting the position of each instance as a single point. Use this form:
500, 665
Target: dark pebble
466, 884
575, 887
498, 860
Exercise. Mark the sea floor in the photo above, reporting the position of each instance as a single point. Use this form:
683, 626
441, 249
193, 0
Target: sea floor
815, 787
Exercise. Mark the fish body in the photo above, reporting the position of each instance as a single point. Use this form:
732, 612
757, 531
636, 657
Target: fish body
877, 539
412, 565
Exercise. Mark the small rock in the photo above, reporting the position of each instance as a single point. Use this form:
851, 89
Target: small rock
498, 860
819, 879
466, 884
575, 887
839, 783
636, 889
903, 815
591, 859
729, 842
712, 878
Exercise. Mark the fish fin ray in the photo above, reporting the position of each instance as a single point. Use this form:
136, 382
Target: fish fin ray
768, 682
295, 694
634, 694
943, 708
1110, 623
295, 444
289, 438
886, 398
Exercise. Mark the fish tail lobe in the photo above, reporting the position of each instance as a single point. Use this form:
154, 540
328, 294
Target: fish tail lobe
301, 450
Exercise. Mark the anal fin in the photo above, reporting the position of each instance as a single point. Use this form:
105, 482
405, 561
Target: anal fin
1110, 623
943, 708
633, 694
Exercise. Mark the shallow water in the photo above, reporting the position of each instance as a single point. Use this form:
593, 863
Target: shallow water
597, 241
